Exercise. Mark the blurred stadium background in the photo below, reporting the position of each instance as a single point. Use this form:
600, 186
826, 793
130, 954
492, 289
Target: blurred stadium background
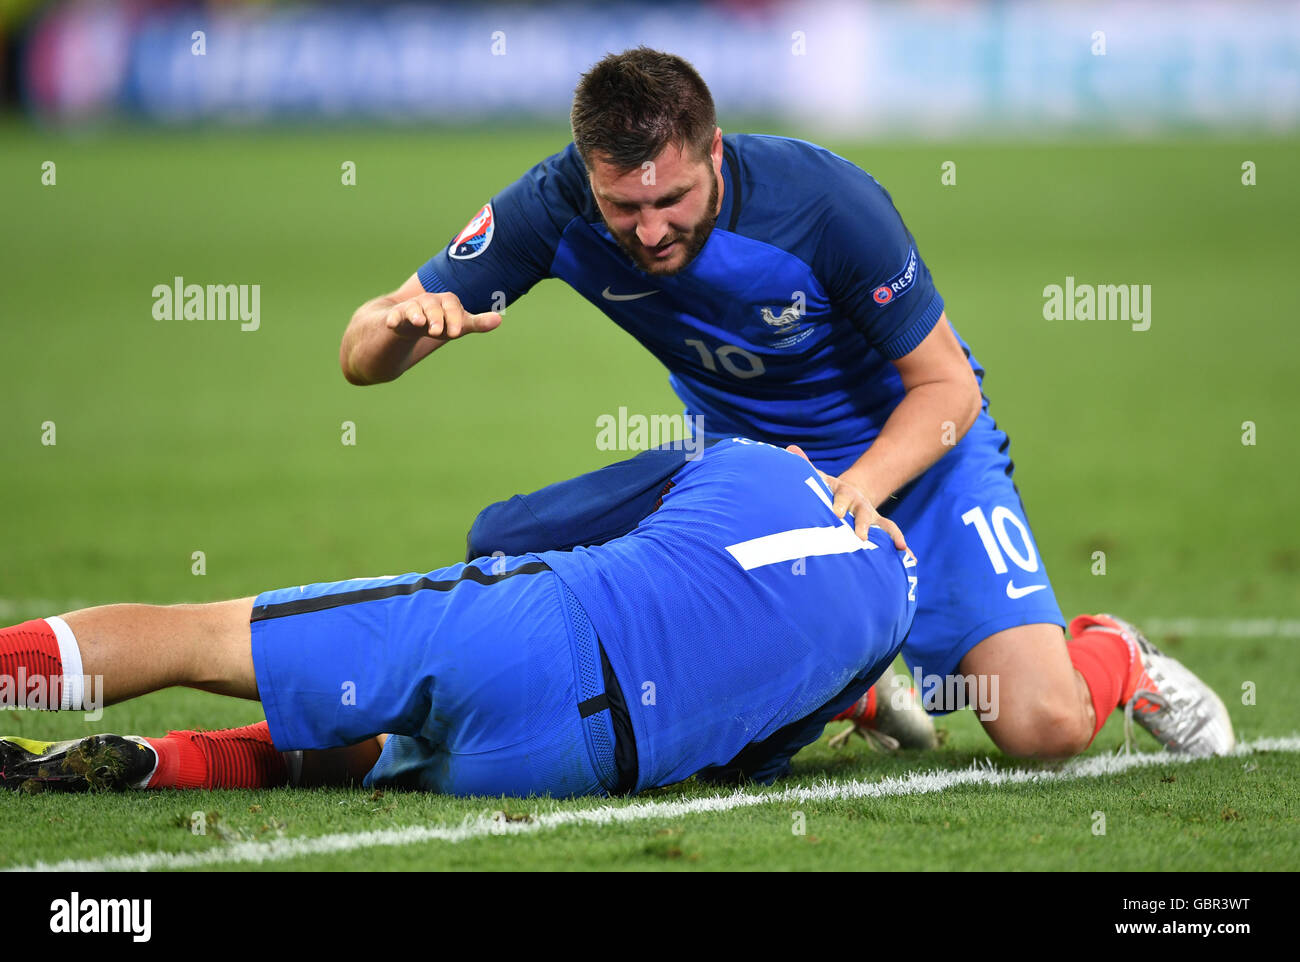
859, 68
1111, 142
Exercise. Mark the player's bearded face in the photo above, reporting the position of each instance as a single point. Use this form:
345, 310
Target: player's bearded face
661, 225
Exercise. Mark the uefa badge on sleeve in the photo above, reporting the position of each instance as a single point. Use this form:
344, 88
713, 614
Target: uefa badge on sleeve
476, 236
900, 283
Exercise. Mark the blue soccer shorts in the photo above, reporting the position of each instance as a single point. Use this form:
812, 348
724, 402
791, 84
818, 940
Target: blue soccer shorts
964, 520
475, 671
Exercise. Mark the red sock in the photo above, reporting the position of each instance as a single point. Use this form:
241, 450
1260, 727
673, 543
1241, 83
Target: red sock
1104, 659
233, 758
863, 710
28, 651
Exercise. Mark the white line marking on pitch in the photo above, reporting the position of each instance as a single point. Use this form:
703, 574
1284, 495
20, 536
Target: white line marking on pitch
1223, 627
919, 783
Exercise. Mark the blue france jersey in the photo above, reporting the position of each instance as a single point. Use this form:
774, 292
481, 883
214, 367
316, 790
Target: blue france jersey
782, 326
741, 614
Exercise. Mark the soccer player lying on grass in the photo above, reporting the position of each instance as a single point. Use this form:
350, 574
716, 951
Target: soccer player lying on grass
726, 617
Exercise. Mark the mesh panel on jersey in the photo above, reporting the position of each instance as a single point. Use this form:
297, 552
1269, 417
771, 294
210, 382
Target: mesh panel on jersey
599, 726
585, 638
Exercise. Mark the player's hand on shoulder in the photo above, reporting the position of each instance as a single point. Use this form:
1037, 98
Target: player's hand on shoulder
440, 316
850, 499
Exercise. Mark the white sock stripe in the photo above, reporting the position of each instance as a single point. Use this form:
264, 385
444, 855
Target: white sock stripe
71, 691
141, 740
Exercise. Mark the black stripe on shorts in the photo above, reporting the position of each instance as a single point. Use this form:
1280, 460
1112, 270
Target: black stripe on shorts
302, 606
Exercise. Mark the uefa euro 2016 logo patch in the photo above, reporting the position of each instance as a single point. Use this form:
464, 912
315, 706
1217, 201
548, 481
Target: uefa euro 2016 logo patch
476, 236
899, 283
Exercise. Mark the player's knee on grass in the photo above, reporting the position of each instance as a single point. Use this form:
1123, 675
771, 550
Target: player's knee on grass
1040, 730
1041, 710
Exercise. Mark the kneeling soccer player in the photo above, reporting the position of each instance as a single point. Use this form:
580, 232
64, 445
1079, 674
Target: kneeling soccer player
717, 634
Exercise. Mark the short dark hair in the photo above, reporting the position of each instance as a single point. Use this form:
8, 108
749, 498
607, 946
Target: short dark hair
631, 105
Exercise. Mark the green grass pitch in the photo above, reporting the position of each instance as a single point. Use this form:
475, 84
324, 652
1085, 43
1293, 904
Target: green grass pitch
174, 437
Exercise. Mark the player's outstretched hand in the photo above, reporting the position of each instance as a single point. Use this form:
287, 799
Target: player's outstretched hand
849, 499
439, 316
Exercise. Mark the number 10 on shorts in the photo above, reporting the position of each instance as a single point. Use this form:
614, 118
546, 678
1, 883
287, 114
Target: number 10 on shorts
997, 541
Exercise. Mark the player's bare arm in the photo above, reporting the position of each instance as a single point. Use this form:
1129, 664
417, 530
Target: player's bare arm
389, 334
942, 401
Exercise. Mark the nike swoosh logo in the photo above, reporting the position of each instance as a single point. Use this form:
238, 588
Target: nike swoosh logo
1013, 592
624, 297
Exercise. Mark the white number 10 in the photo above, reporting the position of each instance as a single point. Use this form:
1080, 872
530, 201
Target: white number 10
726, 355
1027, 561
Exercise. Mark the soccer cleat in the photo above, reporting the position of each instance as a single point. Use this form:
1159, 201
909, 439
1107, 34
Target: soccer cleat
93, 763
1164, 697
889, 716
